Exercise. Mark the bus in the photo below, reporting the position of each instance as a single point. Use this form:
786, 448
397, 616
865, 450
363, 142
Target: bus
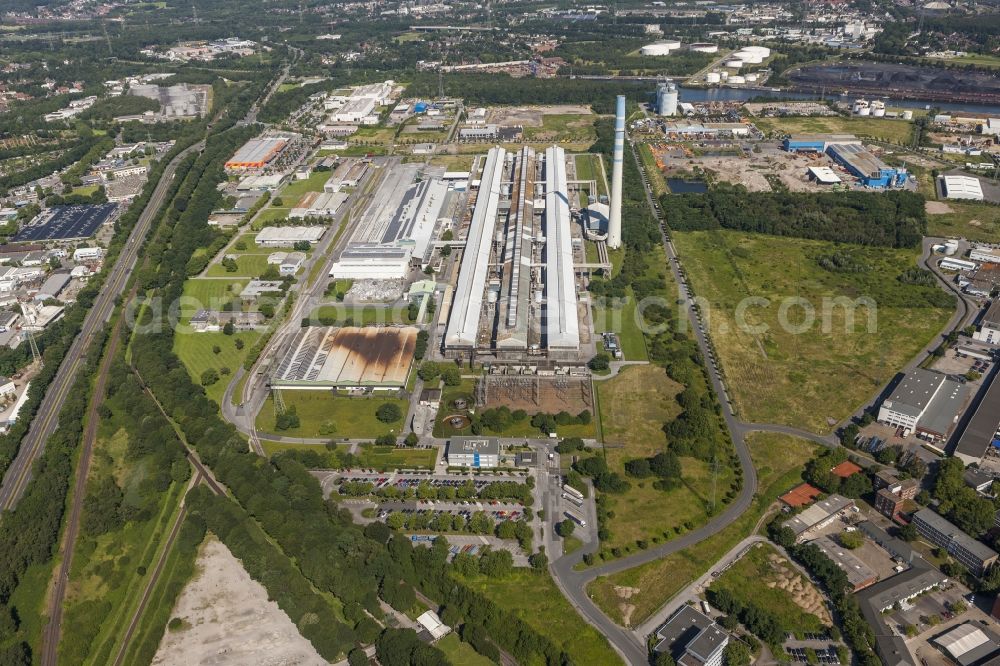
576, 518
575, 500
570, 490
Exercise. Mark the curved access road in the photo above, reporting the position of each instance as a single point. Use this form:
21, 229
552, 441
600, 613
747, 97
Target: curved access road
46, 420
573, 583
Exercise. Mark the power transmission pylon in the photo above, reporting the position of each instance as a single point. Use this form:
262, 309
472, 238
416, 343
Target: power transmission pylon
36, 356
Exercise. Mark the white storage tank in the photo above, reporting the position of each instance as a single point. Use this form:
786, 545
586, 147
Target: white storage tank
878, 109
761, 51
749, 58
735, 63
907, 115
737, 79
751, 78
713, 77
660, 48
724, 75
703, 47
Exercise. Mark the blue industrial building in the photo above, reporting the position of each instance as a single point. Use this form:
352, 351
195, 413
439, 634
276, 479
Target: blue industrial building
847, 151
870, 170
420, 107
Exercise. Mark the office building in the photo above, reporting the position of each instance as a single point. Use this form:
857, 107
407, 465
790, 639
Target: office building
475, 452
977, 557
983, 429
692, 638
819, 515
989, 325
925, 402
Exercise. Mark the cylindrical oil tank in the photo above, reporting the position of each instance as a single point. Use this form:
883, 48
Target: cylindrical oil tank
713, 77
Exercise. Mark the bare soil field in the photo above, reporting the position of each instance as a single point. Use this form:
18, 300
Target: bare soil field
228, 620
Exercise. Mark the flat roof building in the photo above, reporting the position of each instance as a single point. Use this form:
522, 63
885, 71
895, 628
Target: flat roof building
911, 398
989, 325
475, 452
288, 236
691, 638
983, 429
367, 261
866, 167
961, 187
561, 325
859, 574
976, 556
257, 153
371, 358
463, 322
819, 515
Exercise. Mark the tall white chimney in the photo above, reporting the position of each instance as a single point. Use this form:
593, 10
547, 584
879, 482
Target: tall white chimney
615, 223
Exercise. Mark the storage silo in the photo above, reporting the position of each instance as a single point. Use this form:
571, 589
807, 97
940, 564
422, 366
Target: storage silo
713, 77
666, 99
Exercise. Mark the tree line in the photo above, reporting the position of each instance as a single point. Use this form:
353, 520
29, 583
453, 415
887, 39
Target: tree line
891, 219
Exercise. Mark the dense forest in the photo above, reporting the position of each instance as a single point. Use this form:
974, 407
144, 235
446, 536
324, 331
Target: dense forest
890, 219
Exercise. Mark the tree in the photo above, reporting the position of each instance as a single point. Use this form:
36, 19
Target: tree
496, 563
388, 412
209, 377
229, 329
395, 520
736, 653
411, 439
565, 528
357, 657
239, 343
287, 420
851, 540
600, 362
539, 561
908, 533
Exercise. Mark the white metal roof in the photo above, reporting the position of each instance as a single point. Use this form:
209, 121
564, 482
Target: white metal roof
562, 326
463, 322
824, 174
962, 187
289, 234
962, 639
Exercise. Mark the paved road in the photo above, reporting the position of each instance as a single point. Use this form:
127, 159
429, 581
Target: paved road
19, 473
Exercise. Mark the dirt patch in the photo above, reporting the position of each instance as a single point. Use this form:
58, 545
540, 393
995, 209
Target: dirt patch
538, 394
626, 593
799, 590
228, 620
937, 208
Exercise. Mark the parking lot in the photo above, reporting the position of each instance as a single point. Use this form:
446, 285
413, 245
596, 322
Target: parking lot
498, 511
824, 655
473, 545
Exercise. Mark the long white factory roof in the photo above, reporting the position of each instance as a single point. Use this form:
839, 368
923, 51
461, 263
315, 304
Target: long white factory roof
463, 323
562, 328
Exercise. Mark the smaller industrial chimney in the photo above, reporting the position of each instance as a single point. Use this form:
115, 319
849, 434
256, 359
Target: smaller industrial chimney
615, 220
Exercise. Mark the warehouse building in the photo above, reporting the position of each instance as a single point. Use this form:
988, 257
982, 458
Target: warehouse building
475, 452
869, 170
819, 515
526, 301
985, 254
374, 358
925, 402
318, 204
257, 153
823, 175
288, 236
968, 644
976, 556
395, 231
859, 574
983, 429
561, 325
817, 143
961, 187
989, 325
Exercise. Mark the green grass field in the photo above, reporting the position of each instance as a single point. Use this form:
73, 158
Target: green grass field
781, 369
621, 318
323, 414
272, 214
975, 221
208, 294
197, 352
891, 130
378, 457
536, 600
779, 460
634, 406
560, 127
295, 189
757, 578
248, 265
